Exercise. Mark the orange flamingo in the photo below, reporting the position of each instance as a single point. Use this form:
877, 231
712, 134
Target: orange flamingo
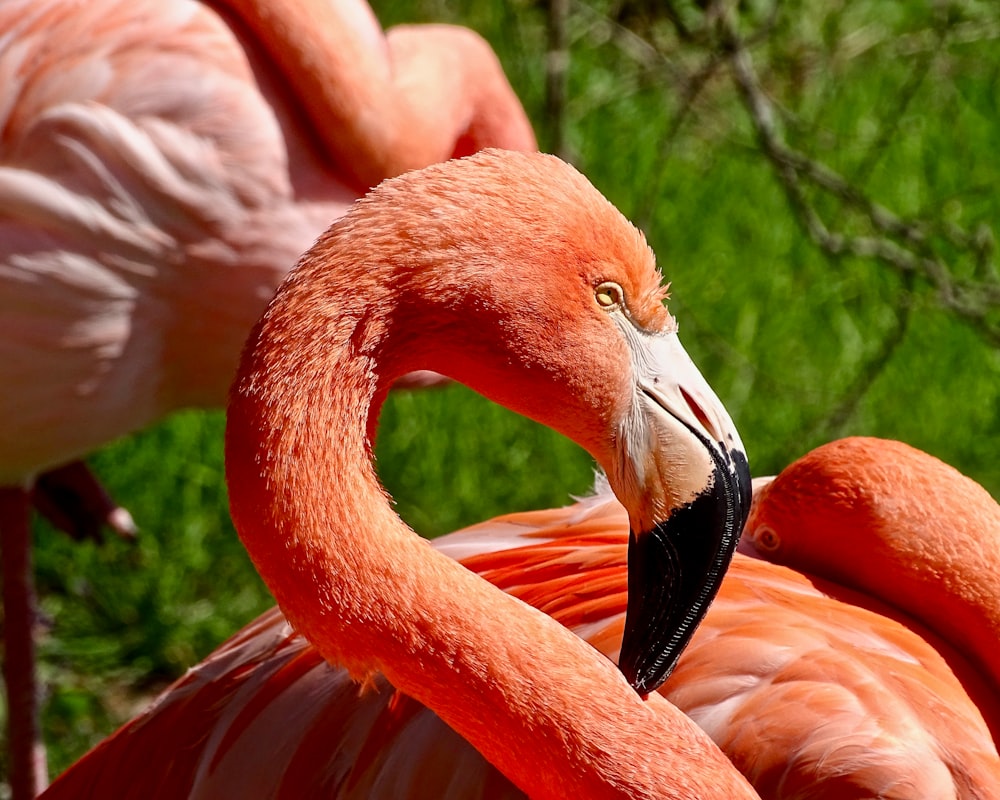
524, 283
914, 546
813, 689
163, 163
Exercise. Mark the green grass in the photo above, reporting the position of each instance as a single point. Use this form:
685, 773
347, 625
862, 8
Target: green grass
780, 330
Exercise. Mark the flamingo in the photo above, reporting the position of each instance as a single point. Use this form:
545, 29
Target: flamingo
510, 273
163, 163
812, 689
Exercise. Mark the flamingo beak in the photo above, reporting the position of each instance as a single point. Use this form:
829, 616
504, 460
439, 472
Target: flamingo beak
683, 476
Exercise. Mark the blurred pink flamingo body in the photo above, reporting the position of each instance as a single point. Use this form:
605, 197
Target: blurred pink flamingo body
812, 689
162, 165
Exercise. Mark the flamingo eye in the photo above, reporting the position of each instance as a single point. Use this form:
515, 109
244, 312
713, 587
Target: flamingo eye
766, 539
609, 295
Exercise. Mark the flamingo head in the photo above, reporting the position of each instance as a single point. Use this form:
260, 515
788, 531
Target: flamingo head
510, 273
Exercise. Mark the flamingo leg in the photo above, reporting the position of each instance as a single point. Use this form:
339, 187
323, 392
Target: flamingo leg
26, 751
73, 500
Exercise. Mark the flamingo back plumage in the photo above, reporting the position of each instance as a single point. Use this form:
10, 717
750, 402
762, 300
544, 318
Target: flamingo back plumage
810, 693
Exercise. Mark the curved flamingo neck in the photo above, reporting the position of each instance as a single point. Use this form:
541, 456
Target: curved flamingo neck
329, 54
548, 710
339, 68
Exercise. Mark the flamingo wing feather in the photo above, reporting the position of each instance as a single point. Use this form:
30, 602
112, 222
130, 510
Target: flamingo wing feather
809, 693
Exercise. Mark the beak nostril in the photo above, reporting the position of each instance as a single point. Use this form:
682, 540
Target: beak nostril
699, 413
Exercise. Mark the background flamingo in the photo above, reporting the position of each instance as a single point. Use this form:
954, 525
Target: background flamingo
164, 163
907, 534
812, 689
551, 713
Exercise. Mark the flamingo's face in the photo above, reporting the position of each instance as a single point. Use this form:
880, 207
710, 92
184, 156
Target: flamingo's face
678, 466
828, 506
684, 477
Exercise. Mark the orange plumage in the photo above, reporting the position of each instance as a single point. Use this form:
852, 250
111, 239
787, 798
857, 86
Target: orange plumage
813, 689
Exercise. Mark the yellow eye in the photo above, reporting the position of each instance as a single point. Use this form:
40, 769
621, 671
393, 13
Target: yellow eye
609, 295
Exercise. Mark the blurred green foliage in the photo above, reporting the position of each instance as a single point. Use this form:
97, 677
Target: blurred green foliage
801, 346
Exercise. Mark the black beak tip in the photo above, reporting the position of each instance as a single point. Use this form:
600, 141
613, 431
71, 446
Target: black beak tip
674, 573
647, 681
656, 576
